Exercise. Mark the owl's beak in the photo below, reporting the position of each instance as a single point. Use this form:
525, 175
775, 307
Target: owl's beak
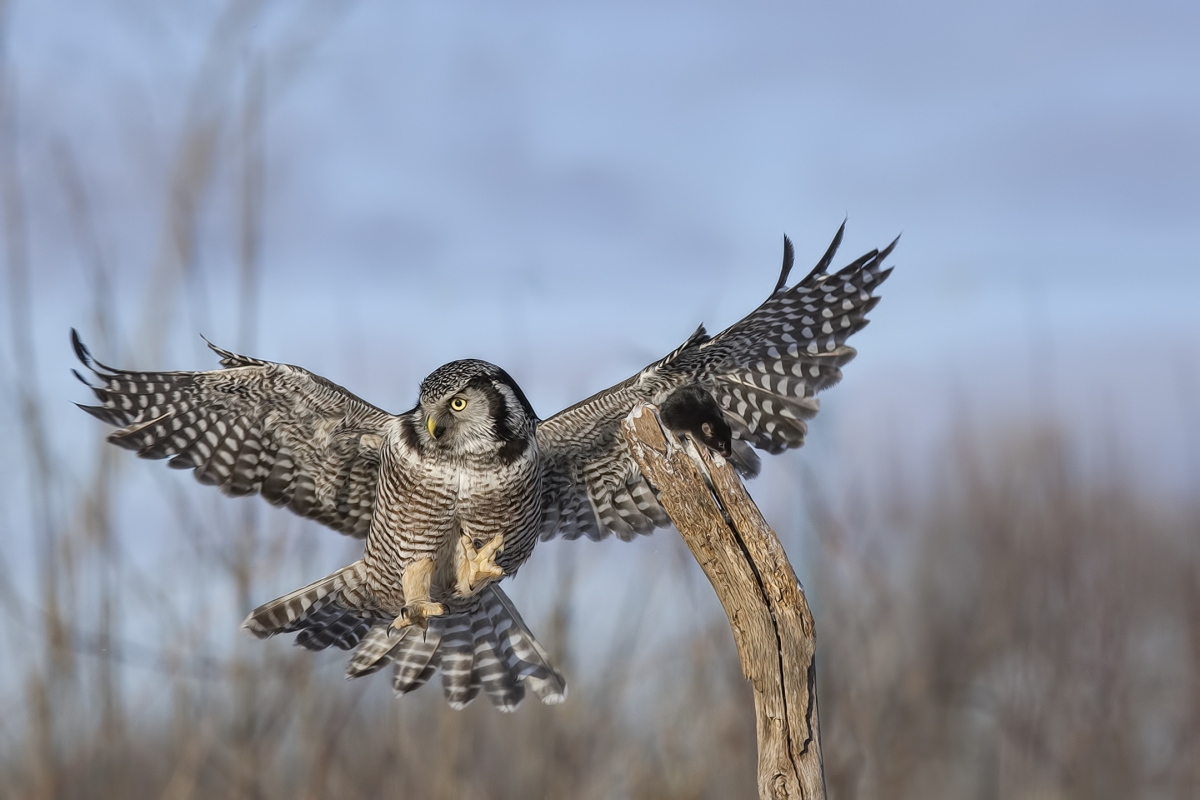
435, 430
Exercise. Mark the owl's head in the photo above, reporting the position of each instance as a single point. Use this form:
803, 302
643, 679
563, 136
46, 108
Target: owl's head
473, 407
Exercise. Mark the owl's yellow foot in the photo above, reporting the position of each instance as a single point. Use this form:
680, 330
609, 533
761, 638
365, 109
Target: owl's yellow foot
476, 567
418, 606
417, 614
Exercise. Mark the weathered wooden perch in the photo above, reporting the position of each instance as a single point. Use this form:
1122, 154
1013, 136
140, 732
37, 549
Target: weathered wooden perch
770, 618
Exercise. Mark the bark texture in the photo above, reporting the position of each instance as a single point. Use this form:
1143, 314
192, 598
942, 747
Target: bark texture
772, 624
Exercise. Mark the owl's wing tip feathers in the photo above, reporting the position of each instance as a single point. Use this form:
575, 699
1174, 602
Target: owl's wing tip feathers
789, 259
88, 360
81, 351
823, 265
885, 252
228, 357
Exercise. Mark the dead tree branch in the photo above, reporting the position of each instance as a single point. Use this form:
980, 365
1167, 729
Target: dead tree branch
770, 618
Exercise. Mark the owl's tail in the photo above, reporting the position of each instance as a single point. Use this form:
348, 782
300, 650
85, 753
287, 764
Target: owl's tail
487, 647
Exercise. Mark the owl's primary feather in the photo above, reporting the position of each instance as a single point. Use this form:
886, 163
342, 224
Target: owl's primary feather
471, 465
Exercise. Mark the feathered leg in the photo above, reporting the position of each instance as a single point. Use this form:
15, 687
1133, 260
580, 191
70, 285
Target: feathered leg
418, 605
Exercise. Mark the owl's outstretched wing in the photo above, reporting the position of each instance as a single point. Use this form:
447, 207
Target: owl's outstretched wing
763, 372
254, 427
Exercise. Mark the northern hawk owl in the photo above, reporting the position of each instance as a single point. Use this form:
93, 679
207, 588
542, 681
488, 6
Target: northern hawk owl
452, 495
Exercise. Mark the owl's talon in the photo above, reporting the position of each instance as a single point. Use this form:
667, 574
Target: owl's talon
416, 614
478, 566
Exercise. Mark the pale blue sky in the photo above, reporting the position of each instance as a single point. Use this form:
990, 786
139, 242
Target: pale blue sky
568, 190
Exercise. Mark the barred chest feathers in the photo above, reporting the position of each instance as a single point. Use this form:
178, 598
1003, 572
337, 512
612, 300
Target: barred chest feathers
461, 480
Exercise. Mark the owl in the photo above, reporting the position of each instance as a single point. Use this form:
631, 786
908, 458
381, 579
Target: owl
452, 495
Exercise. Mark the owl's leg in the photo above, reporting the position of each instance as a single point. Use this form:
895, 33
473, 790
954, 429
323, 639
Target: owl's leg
418, 606
476, 567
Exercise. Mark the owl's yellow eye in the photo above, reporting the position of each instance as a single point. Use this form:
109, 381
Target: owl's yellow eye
458, 404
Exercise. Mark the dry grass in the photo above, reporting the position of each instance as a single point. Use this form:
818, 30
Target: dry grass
1022, 634
1043, 642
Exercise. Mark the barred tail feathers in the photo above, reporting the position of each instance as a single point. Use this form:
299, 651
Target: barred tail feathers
488, 648
521, 649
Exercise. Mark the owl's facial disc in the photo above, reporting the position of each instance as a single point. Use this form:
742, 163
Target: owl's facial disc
446, 414
460, 420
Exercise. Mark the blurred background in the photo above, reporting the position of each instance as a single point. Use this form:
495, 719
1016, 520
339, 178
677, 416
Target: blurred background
996, 514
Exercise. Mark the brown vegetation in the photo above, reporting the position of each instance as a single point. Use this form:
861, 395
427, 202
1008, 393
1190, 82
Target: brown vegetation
1023, 634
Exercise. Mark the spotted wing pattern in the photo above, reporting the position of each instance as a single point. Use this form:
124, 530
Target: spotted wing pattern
254, 427
764, 372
